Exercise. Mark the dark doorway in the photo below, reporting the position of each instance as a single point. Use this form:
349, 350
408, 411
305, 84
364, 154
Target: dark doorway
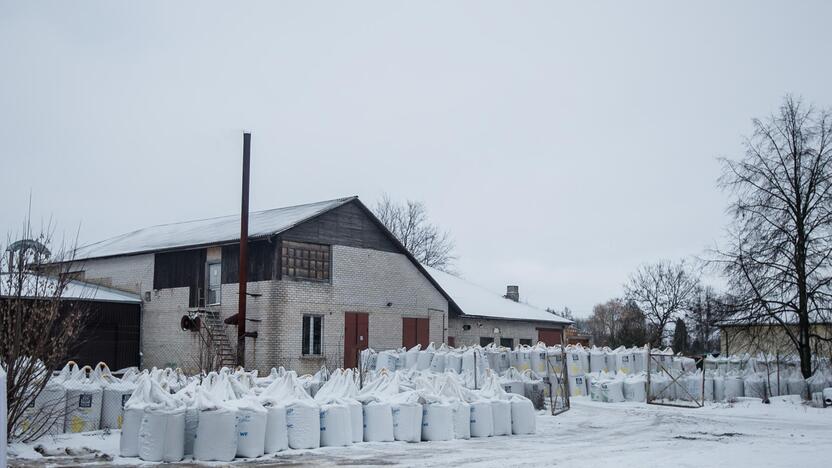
356, 326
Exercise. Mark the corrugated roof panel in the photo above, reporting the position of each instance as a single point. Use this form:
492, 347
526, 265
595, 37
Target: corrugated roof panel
206, 231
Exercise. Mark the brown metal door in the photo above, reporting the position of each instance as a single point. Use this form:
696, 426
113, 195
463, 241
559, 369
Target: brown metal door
550, 336
423, 332
356, 326
408, 332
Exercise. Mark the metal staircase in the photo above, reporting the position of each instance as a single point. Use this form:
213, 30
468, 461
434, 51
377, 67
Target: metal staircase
215, 328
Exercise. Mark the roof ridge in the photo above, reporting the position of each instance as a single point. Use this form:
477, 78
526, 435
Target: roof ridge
338, 200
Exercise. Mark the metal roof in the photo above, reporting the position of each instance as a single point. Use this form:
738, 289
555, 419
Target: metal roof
476, 301
202, 232
74, 290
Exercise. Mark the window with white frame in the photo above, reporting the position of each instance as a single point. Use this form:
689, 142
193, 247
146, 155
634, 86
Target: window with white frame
214, 283
312, 335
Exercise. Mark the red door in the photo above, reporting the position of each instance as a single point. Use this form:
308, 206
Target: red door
355, 337
550, 336
415, 331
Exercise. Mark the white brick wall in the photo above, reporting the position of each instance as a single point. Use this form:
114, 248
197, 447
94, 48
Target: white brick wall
485, 328
133, 273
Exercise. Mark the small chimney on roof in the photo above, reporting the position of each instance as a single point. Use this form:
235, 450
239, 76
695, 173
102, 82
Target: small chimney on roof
513, 293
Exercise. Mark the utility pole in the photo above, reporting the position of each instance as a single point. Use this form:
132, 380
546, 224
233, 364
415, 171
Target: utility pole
243, 275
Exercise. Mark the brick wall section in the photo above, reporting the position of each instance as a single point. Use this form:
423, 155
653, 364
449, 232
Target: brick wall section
363, 280
133, 273
482, 328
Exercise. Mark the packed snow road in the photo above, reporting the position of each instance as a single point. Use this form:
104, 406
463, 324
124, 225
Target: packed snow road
592, 434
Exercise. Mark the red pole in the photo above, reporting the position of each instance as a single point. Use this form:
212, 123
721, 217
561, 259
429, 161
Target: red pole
243, 275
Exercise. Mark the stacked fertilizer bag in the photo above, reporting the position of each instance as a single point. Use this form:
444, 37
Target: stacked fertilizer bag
577, 363
84, 392
115, 393
608, 387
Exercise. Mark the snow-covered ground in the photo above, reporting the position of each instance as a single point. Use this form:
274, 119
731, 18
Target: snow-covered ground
745, 433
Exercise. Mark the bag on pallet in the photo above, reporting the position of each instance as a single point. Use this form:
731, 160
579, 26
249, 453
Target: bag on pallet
132, 420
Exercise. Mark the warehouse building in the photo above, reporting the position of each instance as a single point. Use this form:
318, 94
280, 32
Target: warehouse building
325, 280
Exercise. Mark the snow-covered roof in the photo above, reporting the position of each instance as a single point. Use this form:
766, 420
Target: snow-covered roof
74, 290
477, 301
206, 231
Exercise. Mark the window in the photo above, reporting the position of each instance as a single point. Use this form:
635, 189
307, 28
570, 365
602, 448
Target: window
300, 260
507, 342
525, 341
214, 283
312, 327
486, 340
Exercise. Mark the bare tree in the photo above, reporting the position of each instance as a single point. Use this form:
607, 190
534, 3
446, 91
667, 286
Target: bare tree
778, 260
409, 223
663, 291
707, 310
616, 322
37, 329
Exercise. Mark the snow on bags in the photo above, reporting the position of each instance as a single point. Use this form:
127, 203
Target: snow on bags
83, 402
251, 427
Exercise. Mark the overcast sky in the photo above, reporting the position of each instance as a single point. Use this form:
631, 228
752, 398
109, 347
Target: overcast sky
562, 144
